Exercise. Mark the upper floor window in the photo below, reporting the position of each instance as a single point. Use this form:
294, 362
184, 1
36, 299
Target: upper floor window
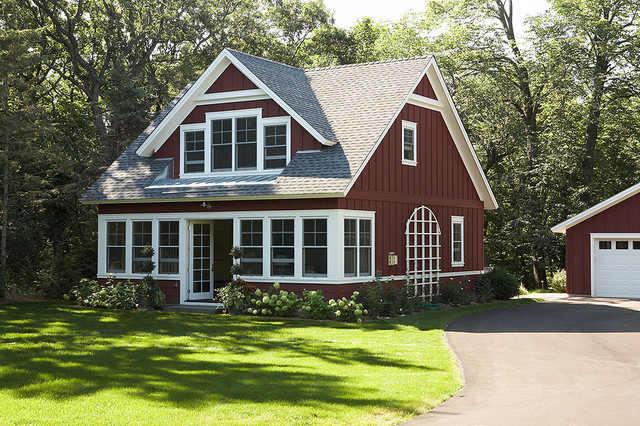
457, 241
409, 143
231, 141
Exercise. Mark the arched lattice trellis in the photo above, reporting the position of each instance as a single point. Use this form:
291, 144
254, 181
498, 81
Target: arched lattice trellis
423, 252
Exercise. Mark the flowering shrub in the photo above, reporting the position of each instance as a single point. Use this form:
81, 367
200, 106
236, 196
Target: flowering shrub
119, 295
314, 306
348, 310
274, 302
236, 296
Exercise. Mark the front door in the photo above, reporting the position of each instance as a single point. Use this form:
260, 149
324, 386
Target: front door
201, 263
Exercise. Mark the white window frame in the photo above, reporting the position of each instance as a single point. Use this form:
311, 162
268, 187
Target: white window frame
414, 127
455, 220
233, 115
264, 243
358, 247
326, 247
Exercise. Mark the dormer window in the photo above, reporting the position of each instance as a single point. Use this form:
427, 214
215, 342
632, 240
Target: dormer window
236, 141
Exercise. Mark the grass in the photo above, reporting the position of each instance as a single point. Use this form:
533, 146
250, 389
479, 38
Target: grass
64, 364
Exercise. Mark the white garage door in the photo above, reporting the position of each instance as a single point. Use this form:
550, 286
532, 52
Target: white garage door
617, 268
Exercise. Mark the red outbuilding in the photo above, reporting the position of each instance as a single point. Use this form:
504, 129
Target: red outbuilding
322, 176
603, 248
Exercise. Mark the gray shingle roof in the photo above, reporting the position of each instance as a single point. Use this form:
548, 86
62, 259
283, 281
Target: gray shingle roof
351, 105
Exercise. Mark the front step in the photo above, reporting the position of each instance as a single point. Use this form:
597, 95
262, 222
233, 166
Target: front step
211, 308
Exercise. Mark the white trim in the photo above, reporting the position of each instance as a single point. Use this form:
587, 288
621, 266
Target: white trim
456, 129
457, 220
593, 238
609, 202
424, 102
235, 96
225, 198
410, 125
441, 275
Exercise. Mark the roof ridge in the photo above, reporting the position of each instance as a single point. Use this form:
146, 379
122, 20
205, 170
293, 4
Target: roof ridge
264, 59
384, 61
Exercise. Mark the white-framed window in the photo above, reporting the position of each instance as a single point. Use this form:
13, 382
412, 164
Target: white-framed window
409, 143
142, 236
314, 247
116, 246
235, 141
357, 247
457, 241
251, 241
168, 247
283, 247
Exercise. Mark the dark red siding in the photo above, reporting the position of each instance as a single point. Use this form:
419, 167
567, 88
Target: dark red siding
623, 218
230, 80
424, 89
440, 181
301, 140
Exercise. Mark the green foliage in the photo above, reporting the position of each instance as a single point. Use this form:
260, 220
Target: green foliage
383, 299
236, 296
454, 294
559, 281
500, 283
348, 310
315, 306
274, 302
127, 296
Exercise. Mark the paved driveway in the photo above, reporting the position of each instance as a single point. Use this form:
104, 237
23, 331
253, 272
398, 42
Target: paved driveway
567, 361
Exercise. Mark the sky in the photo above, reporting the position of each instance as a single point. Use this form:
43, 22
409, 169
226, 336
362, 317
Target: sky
347, 12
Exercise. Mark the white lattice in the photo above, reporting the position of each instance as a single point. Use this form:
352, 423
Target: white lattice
423, 252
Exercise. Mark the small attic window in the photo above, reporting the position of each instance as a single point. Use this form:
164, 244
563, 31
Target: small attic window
409, 142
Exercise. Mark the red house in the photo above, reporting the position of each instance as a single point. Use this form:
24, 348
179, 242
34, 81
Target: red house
603, 247
323, 177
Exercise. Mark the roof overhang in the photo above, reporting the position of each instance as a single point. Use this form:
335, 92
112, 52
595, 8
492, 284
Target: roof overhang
196, 96
447, 108
213, 199
610, 202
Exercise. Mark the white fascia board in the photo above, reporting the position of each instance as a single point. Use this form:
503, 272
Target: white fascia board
235, 96
453, 122
185, 105
461, 138
212, 199
610, 202
235, 61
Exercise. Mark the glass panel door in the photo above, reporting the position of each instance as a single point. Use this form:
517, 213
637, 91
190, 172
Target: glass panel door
201, 283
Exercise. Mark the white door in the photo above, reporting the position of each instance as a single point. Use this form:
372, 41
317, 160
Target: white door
617, 268
201, 261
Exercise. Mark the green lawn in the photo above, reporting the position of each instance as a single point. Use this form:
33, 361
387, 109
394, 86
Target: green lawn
64, 364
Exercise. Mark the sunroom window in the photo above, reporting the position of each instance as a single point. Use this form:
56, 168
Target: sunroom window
169, 247
141, 237
251, 243
282, 247
357, 247
116, 246
314, 249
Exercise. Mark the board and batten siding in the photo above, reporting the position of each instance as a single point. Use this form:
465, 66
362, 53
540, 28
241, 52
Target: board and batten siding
620, 218
439, 181
231, 79
424, 89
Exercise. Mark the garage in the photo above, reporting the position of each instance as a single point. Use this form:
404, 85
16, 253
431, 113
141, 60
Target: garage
603, 247
617, 268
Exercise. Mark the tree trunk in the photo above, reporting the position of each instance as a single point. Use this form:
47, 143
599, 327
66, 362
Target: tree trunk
5, 220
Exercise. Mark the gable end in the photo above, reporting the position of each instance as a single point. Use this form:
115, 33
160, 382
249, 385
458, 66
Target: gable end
231, 80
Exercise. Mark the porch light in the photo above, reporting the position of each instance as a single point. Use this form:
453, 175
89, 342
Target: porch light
206, 205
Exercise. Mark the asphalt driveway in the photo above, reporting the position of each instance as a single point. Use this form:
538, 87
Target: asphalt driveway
566, 361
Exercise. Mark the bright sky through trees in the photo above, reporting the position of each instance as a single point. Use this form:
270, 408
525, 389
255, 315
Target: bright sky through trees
348, 12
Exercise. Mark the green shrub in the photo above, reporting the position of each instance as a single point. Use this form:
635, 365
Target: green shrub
274, 302
348, 310
236, 296
383, 299
454, 294
559, 281
314, 306
500, 282
149, 295
128, 296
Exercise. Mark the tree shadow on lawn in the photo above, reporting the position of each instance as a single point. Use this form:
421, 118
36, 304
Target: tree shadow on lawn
61, 352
